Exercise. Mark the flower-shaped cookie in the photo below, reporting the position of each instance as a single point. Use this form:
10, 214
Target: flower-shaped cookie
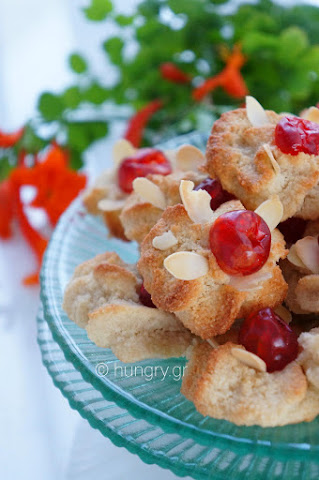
113, 187
103, 296
184, 276
228, 382
247, 153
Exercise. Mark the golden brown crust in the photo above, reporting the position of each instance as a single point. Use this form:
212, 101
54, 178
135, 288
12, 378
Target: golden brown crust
102, 297
105, 278
106, 187
208, 305
235, 154
114, 224
138, 216
135, 332
223, 387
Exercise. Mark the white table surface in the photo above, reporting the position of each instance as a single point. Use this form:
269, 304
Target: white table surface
41, 437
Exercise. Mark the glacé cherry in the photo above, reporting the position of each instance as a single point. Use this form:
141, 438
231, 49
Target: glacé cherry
216, 191
240, 241
294, 135
142, 163
265, 334
145, 298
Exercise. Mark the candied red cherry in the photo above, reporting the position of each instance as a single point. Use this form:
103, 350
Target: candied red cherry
293, 229
268, 336
240, 241
216, 191
143, 162
145, 298
294, 135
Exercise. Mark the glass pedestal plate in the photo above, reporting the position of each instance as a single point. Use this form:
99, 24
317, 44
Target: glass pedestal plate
136, 405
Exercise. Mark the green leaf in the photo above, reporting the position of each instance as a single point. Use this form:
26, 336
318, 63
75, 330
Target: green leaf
82, 134
113, 47
98, 10
124, 20
255, 42
98, 130
291, 44
76, 159
50, 106
77, 63
5, 167
96, 94
72, 97
78, 136
31, 142
149, 8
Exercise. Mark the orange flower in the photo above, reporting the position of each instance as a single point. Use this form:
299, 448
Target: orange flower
56, 186
8, 140
173, 73
6, 209
230, 78
37, 243
138, 122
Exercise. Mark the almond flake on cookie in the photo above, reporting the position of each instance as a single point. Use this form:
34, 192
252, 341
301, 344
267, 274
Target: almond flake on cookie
249, 359
189, 158
121, 150
186, 265
255, 112
272, 159
165, 241
307, 250
311, 114
196, 202
212, 342
271, 211
284, 313
293, 258
108, 205
150, 192
249, 282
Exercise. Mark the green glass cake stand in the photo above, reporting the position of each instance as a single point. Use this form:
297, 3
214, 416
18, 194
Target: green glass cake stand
139, 406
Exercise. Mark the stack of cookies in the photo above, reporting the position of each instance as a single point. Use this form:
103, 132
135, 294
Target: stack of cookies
228, 274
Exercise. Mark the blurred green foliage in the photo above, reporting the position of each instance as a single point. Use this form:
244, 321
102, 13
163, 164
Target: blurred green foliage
282, 69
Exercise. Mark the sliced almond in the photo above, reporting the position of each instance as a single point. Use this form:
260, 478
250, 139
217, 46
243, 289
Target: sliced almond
196, 202
255, 112
272, 159
186, 265
107, 205
249, 359
294, 258
307, 250
122, 149
271, 211
149, 192
165, 241
283, 313
212, 342
311, 114
189, 158
250, 282
171, 156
